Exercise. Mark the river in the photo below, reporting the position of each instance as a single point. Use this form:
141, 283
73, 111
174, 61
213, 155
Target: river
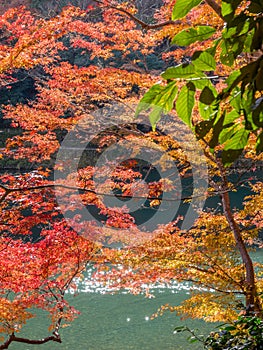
120, 322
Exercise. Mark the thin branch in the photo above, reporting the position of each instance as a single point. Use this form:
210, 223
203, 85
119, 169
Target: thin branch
227, 276
3, 197
143, 24
212, 3
212, 286
13, 338
52, 186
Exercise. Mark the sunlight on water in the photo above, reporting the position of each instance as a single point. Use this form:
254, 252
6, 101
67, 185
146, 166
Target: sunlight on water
121, 321
93, 285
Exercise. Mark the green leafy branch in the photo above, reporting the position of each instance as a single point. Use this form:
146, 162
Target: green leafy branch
232, 114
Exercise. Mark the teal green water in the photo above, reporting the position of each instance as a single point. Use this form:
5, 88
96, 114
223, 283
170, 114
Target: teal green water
120, 322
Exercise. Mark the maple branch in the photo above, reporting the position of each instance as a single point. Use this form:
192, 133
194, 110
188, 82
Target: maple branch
6, 193
227, 277
212, 286
143, 24
41, 187
13, 338
212, 3
123, 196
75, 274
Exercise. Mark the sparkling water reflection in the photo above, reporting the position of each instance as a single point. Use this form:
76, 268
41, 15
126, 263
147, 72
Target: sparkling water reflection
120, 321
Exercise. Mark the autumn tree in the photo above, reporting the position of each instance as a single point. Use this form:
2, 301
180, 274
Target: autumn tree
223, 122
33, 229
223, 107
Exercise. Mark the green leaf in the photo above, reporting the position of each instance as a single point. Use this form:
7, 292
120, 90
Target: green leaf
207, 96
159, 99
202, 128
185, 103
191, 35
226, 9
192, 340
154, 117
213, 49
233, 78
230, 328
227, 56
180, 329
257, 117
236, 99
244, 28
238, 140
227, 133
187, 71
231, 117
166, 96
201, 80
233, 3
207, 112
148, 99
182, 7
205, 62
218, 124
247, 101
208, 105
182, 71
230, 32
249, 40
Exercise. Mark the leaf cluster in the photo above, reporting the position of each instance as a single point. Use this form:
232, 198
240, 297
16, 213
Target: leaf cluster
246, 333
221, 115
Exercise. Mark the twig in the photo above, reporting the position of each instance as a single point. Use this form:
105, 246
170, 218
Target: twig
143, 24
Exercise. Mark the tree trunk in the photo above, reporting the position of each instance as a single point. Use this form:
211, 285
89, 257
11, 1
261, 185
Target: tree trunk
252, 300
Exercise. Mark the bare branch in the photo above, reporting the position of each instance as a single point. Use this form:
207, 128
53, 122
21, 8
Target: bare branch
212, 3
13, 338
143, 24
52, 186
